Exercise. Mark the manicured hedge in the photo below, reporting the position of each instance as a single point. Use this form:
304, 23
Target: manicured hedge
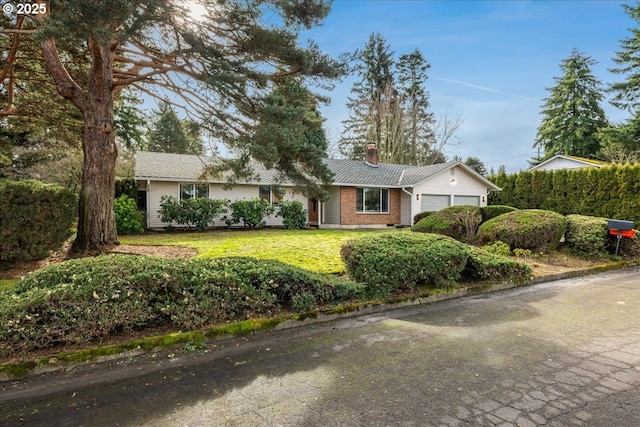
85, 300
459, 222
586, 235
533, 229
35, 219
484, 265
493, 211
392, 261
607, 192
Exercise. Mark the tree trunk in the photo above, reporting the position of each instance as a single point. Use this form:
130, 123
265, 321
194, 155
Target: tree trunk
96, 217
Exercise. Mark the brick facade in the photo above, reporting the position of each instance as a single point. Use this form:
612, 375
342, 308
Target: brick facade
349, 216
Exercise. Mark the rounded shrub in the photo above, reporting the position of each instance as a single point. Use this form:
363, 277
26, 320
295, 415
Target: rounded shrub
586, 235
392, 261
129, 219
459, 222
85, 300
492, 211
532, 229
417, 217
293, 214
35, 218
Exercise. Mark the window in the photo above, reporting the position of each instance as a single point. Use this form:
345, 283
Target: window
189, 191
372, 200
270, 194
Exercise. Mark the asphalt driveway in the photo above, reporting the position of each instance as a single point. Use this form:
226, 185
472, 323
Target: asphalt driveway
556, 354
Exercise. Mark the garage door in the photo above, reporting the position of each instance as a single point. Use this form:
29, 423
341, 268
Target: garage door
466, 200
433, 203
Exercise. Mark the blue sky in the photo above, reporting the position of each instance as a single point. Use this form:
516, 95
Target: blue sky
490, 61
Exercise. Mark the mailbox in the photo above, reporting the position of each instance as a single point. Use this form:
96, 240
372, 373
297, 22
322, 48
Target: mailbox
620, 229
617, 224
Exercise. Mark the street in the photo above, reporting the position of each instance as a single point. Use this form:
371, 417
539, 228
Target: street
561, 353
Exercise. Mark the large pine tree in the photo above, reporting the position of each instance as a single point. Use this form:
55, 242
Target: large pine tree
572, 115
389, 106
370, 96
627, 93
418, 119
219, 65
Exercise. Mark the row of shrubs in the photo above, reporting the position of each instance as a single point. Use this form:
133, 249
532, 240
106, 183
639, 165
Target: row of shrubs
392, 262
200, 213
611, 191
529, 229
35, 218
86, 300
90, 299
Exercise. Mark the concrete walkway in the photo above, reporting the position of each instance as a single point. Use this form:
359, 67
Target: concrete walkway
556, 354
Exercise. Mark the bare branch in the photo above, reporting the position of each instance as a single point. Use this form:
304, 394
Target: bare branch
65, 84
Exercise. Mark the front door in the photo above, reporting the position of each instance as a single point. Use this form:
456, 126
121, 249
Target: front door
313, 212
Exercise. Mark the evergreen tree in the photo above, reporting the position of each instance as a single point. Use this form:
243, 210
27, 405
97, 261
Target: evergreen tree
374, 89
219, 66
627, 93
169, 134
476, 164
572, 115
419, 133
290, 114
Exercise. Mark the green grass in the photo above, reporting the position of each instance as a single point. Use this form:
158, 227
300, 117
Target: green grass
8, 284
314, 250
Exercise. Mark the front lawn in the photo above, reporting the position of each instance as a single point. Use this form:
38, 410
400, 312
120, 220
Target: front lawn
314, 250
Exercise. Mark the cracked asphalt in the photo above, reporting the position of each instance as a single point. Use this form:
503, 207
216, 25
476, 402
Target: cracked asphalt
562, 353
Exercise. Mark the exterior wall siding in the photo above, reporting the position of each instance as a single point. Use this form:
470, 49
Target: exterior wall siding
331, 208
156, 190
465, 185
349, 216
561, 163
405, 210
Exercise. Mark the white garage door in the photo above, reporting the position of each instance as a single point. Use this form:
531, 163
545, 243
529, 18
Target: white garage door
466, 200
433, 203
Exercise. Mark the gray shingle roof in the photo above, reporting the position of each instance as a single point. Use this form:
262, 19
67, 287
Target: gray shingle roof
183, 167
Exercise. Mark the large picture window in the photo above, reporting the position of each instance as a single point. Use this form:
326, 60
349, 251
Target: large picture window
372, 200
189, 191
267, 193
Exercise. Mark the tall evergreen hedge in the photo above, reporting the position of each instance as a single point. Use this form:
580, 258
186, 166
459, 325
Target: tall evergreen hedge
608, 192
35, 218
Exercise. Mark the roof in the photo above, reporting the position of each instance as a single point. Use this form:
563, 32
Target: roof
186, 167
584, 162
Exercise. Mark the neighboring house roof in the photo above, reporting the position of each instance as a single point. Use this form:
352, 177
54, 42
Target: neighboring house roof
577, 162
183, 167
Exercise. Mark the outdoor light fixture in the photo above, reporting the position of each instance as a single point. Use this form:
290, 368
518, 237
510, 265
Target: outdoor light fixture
453, 181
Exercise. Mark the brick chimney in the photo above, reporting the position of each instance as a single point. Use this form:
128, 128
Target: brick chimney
371, 157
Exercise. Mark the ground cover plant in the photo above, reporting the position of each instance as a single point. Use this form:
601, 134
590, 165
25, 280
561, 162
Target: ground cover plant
314, 250
86, 300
